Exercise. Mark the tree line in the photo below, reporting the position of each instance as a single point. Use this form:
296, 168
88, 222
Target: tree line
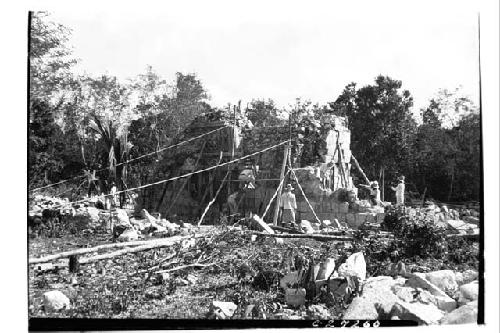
79, 123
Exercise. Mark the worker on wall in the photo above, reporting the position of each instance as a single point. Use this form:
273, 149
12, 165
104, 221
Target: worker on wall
374, 193
400, 191
289, 206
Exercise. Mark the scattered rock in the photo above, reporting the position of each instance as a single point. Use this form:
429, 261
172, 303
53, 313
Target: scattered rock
468, 292
295, 297
444, 280
55, 300
128, 235
223, 310
466, 314
375, 290
326, 268
471, 220
418, 280
289, 280
466, 277
355, 265
421, 313
318, 311
122, 217
406, 294
145, 215
306, 227
191, 279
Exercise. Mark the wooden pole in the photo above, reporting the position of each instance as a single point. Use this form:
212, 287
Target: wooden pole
211, 180
383, 183
360, 170
282, 175
213, 199
307, 200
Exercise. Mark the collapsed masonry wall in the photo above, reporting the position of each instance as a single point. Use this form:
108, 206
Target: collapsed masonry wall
320, 153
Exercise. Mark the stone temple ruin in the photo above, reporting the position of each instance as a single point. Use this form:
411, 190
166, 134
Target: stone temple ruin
320, 157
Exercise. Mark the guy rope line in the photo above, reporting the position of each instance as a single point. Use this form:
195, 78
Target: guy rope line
136, 158
181, 176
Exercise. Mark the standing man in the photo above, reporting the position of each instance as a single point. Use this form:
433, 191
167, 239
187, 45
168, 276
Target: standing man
400, 191
289, 205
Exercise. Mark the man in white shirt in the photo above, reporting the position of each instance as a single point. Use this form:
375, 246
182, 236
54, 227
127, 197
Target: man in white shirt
289, 205
400, 191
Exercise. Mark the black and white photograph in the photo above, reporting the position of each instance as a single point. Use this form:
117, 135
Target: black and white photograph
228, 165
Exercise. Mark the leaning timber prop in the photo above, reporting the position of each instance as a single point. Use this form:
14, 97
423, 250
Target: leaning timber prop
303, 194
355, 161
213, 199
186, 181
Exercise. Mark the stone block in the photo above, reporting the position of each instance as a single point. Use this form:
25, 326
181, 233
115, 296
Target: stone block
343, 207
338, 286
380, 218
350, 219
335, 207
360, 219
466, 314
370, 218
340, 217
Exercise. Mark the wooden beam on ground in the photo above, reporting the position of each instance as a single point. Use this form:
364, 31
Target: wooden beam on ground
289, 230
164, 242
262, 224
103, 247
313, 236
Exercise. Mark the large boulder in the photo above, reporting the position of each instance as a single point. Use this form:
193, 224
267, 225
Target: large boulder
444, 280
55, 301
411, 295
93, 214
355, 265
468, 292
471, 220
466, 314
423, 314
376, 290
306, 227
466, 276
223, 310
418, 280
122, 217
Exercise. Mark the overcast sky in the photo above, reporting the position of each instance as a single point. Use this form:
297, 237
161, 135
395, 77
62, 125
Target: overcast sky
283, 52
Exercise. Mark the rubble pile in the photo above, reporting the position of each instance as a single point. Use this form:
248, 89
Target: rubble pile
459, 222
41, 202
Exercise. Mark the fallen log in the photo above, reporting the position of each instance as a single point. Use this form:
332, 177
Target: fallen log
155, 245
134, 244
289, 230
313, 236
466, 236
